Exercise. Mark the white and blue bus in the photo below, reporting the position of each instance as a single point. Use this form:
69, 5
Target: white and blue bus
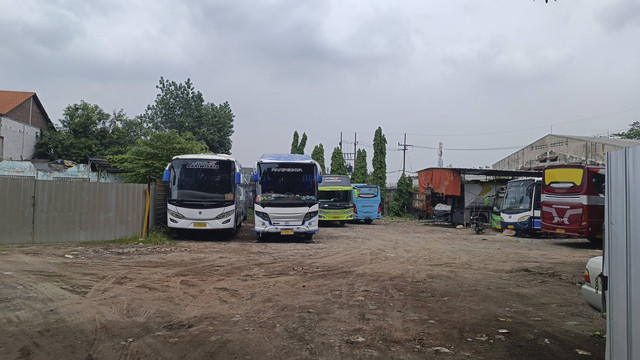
286, 195
521, 205
366, 203
205, 192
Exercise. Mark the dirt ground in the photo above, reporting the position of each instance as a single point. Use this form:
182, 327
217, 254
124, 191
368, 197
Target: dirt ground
391, 290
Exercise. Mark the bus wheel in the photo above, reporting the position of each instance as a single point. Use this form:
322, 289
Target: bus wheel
308, 236
368, 221
342, 222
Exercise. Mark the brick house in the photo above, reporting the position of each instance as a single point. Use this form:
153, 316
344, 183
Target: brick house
22, 118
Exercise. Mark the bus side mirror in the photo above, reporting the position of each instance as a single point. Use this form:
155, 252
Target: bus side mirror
255, 177
166, 175
238, 178
319, 179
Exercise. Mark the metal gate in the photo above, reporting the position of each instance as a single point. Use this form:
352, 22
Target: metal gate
622, 254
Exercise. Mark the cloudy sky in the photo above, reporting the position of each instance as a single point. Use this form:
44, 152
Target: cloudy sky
482, 77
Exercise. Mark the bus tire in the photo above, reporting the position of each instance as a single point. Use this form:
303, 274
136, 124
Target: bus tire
368, 221
342, 222
308, 236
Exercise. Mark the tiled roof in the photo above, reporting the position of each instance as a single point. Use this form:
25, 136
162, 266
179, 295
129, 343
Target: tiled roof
10, 99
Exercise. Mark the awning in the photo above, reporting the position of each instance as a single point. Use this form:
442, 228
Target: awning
444, 181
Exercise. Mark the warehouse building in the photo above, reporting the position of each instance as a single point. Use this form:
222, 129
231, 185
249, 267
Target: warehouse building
563, 149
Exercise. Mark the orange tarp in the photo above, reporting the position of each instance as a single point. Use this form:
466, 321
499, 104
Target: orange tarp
443, 181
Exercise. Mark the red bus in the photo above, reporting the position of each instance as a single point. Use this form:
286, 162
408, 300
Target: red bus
573, 200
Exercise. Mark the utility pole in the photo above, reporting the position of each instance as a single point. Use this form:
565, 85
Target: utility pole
349, 157
404, 146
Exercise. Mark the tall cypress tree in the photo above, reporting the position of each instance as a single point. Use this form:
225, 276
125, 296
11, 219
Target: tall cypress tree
318, 155
338, 166
379, 162
360, 174
297, 147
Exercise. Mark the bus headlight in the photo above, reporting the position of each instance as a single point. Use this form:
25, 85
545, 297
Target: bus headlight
175, 214
225, 214
309, 216
524, 218
263, 216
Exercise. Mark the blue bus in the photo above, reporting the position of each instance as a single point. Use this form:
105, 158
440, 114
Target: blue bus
521, 205
366, 203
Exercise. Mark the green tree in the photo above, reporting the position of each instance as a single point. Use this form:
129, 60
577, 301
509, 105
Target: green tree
152, 154
360, 174
318, 155
633, 133
402, 197
180, 107
86, 131
379, 162
338, 166
298, 147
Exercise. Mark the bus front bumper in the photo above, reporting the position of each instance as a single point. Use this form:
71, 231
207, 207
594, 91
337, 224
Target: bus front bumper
264, 227
226, 223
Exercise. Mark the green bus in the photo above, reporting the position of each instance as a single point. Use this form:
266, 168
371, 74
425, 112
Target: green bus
335, 199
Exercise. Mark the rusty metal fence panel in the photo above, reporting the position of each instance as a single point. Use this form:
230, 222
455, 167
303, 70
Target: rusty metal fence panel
16, 209
43, 211
621, 254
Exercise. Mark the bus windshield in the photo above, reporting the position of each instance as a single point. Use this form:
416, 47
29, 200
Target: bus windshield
563, 178
286, 181
334, 196
202, 179
367, 192
518, 196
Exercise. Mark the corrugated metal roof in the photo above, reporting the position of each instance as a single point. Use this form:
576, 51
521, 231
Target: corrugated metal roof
603, 140
9, 100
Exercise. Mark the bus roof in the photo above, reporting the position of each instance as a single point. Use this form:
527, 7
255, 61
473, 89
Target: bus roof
297, 158
335, 180
204, 157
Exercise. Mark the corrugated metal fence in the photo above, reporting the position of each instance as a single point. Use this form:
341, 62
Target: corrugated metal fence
40, 211
621, 254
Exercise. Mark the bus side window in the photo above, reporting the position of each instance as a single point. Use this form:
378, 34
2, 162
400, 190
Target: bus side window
536, 201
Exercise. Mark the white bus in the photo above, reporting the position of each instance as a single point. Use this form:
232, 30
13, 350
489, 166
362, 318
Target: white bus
286, 195
205, 192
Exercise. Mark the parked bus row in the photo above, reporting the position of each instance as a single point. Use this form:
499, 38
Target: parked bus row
567, 200
292, 196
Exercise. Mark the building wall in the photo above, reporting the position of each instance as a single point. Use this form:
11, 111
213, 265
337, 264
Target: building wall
18, 139
553, 149
29, 113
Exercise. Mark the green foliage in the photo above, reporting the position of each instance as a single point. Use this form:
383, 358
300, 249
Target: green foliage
633, 133
360, 174
88, 131
180, 107
379, 162
338, 166
298, 147
318, 155
402, 197
152, 154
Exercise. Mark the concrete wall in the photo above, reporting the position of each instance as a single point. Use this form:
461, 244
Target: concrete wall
553, 149
36, 211
18, 139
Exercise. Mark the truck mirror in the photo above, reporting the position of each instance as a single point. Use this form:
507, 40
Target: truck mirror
255, 177
238, 178
166, 175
